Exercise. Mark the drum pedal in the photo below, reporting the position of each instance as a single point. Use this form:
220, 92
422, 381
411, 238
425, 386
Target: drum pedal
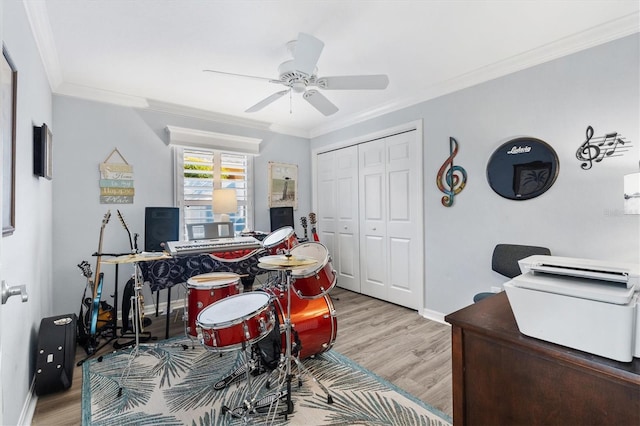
235, 376
264, 404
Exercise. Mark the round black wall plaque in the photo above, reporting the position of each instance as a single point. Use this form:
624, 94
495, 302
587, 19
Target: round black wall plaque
522, 168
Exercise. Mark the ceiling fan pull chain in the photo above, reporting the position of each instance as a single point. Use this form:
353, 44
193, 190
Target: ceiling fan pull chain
290, 102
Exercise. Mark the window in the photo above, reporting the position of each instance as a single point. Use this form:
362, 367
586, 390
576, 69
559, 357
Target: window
201, 171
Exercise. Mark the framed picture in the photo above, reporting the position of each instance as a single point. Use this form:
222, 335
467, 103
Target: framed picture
283, 185
42, 146
9, 82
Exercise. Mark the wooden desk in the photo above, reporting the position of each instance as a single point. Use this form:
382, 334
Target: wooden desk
501, 377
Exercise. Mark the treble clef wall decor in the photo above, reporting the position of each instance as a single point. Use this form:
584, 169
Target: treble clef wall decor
596, 149
451, 179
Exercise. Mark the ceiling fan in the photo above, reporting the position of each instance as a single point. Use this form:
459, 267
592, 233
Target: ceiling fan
299, 75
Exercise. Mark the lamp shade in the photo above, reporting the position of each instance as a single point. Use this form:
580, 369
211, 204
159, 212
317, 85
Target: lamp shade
632, 193
224, 201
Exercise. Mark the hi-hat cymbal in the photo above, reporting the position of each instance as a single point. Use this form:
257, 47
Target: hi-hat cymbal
287, 261
135, 258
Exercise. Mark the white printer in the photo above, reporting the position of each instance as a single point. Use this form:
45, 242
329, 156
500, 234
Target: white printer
584, 304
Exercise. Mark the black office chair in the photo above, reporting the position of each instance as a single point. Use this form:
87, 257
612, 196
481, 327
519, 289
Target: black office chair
505, 261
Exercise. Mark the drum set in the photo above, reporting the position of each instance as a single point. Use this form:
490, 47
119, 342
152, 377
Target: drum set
275, 327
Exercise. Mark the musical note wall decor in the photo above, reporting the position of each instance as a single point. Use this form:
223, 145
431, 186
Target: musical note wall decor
451, 179
596, 149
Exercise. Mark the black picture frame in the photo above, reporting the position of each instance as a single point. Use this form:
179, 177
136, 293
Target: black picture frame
42, 146
8, 115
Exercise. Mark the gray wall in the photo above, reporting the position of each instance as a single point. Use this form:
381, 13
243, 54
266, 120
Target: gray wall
26, 255
86, 133
580, 216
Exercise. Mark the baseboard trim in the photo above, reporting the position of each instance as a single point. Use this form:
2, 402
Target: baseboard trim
29, 406
434, 316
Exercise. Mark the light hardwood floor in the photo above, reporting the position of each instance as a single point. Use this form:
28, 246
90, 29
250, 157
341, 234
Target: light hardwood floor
394, 342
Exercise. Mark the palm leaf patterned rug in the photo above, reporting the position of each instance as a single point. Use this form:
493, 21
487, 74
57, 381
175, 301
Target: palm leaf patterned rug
172, 383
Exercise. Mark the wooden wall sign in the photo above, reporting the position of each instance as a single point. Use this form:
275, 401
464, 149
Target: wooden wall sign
116, 181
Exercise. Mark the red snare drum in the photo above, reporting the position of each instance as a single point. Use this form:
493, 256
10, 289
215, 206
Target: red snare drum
280, 240
205, 289
314, 322
242, 319
317, 279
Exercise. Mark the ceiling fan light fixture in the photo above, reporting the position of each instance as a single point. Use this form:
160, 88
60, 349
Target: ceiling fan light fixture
298, 86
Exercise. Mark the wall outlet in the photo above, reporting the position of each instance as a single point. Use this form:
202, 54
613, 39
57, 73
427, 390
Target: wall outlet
496, 289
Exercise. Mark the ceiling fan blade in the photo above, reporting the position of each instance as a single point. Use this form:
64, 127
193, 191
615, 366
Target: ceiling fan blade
266, 101
319, 102
354, 82
306, 53
243, 75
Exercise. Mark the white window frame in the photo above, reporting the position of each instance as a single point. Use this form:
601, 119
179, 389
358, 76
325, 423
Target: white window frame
178, 156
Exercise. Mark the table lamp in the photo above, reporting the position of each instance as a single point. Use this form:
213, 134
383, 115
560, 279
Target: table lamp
223, 202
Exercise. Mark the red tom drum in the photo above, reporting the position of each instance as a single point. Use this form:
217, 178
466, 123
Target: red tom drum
205, 289
318, 279
280, 240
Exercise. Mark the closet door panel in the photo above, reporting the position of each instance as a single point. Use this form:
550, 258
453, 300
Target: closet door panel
347, 224
373, 207
347, 263
326, 197
399, 256
404, 225
374, 270
338, 213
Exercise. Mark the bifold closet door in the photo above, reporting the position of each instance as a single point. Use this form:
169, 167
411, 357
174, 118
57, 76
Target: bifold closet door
337, 195
391, 220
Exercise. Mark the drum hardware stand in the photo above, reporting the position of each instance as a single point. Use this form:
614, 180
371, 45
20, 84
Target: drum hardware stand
136, 316
288, 357
251, 405
137, 324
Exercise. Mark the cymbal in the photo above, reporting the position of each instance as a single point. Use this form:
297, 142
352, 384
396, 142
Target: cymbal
287, 261
135, 258
279, 268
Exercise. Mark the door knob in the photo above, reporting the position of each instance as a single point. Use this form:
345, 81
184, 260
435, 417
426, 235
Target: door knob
7, 292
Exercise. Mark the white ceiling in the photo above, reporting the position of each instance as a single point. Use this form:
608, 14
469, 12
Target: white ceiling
153, 52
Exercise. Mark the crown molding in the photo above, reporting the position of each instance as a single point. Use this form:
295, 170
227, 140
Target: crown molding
609, 31
100, 95
185, 111
41, 28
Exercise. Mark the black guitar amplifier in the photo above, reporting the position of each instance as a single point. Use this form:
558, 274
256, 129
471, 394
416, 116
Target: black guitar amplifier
56, 355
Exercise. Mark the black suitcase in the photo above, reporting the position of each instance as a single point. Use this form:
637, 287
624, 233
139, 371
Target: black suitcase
56, 354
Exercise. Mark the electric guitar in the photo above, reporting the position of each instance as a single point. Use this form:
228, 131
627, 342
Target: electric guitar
314, 232
105, 312
126, 228
303, 222
97, 286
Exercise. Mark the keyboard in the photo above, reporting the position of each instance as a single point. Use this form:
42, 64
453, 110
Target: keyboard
177, 248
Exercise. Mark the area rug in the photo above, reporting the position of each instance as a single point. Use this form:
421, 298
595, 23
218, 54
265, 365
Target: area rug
172, 383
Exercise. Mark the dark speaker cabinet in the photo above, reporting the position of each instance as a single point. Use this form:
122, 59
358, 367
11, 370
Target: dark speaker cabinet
161, 224
281, 216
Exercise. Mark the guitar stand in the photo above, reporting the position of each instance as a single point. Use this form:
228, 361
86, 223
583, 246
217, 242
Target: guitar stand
111, 327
